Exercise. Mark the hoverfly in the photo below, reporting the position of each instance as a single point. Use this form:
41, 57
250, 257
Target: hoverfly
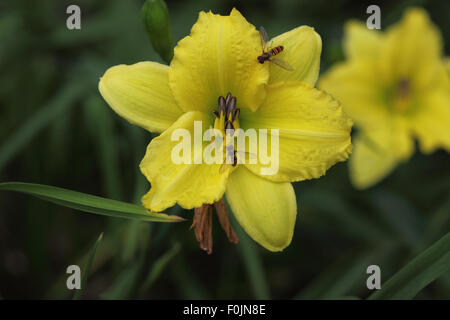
269, 53
231, 155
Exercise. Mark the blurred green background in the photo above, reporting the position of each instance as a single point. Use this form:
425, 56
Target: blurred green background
55, 129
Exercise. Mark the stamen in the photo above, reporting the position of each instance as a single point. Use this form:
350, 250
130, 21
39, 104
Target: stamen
236, 114
226, 122
231, 106
222, 105
222, 213
202, 224
228, 98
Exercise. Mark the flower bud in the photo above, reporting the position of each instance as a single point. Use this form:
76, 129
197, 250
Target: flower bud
157, 23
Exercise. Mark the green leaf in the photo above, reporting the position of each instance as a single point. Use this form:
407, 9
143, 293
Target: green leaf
252, 260
159, 266
438, 222
101, 125
343, 215
88, 203
78, 294
123, 286
346, 276
339, 278
399, 214
186, 281
417, 274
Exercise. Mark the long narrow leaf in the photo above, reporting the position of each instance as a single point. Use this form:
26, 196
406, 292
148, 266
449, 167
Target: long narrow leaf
86, 270
252, 261
124, 284
159, 266
88, 203
343, 215
417, 274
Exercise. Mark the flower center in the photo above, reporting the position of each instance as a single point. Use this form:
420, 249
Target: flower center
402, 95
227, 121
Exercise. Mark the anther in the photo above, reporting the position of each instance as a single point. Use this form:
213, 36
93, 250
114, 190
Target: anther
231, 106
236, 114
228, 98
216, 113
222, 105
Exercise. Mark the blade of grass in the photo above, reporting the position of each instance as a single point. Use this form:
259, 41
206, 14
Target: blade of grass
345, 217
253, 264
346, 276
58, 289
417, 274
137, 238
228, 274
186, 281
138, 234
437, 223
101, 126
399, 214
19, 139
159, 266
338, 278
88, 203
252, 261
85, 275
125, 283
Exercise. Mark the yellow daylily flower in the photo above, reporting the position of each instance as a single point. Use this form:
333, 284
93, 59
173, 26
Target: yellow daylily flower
395, 87
218, 62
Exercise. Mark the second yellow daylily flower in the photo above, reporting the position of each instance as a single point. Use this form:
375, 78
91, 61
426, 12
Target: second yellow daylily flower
217, 58
395, 87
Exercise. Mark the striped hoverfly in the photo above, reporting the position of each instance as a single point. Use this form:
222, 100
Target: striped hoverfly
269, 52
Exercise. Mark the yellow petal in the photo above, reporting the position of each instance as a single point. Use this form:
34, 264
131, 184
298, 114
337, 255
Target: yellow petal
266, 210
189, 185
431, 123
412, 51
357, 86
443, 77
314, 132
361, 42
447, 66
378, 150
219, 56
302, 48
140, 93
